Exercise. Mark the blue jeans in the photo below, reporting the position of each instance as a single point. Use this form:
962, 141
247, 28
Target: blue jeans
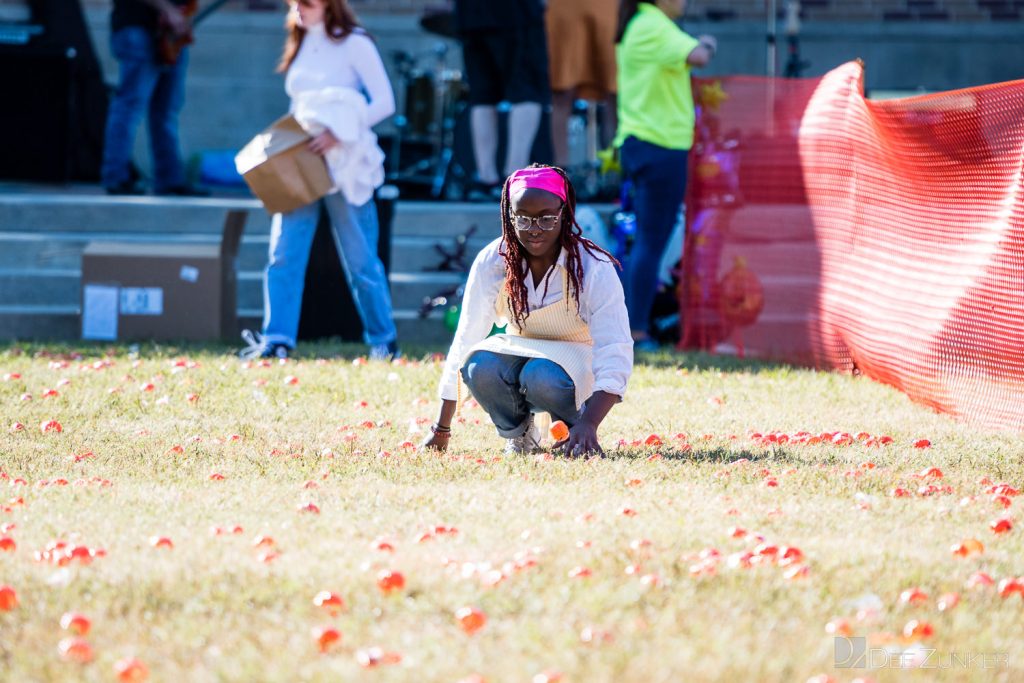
659, 187
355, 236
146, 87
509, 388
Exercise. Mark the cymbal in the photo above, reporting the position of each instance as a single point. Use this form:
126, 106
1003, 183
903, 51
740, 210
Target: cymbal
439, 21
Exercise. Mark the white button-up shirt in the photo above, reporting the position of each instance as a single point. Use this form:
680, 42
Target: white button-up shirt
602, 307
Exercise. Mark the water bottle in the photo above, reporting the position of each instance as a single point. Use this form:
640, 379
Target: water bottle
625, 222
577, 137
625, 228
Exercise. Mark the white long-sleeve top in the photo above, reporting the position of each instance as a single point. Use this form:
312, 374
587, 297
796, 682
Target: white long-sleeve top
602, 307
353, 62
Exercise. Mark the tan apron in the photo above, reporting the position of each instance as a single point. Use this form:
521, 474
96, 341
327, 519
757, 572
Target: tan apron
555, 332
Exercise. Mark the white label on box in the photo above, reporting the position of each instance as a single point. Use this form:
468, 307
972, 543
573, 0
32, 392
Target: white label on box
142, 301
189, 273
99, 312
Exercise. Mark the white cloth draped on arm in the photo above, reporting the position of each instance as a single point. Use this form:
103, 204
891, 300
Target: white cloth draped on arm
356, 165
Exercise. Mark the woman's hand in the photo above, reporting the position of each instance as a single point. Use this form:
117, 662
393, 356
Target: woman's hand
582, 441
175, 19
436, 441
323, 142
710, 41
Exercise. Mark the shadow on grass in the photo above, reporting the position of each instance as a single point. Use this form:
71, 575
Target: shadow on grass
330, 349
700, 361
718, 455
335, 349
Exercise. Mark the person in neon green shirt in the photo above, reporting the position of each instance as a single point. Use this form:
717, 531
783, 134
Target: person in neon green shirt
655, 133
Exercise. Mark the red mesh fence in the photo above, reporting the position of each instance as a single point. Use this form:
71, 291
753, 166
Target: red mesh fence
885, 238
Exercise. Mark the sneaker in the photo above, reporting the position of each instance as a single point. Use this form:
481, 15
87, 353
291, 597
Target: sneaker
385, 352
130, 188
259, 347
183, 191
646, 345
485, 192
529, 442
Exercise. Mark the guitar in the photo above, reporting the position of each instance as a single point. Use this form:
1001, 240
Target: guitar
170, 43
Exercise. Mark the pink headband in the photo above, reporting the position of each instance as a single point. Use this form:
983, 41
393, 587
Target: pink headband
539, 178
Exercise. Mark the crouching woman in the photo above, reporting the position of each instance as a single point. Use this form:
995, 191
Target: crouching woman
566, 349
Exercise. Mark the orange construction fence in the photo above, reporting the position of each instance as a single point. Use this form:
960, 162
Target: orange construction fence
879, 237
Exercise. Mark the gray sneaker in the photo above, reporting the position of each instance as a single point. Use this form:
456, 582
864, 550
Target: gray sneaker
385, 352
528, 443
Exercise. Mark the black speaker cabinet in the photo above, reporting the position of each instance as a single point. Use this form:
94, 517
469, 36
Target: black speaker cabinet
36, 118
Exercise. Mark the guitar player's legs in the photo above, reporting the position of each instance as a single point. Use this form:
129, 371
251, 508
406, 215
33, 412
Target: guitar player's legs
133, 48
164, 107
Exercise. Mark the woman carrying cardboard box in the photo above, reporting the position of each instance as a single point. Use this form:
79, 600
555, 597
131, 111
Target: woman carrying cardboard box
339, 90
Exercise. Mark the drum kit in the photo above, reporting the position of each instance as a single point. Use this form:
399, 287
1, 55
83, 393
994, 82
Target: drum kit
432, 104
430, 151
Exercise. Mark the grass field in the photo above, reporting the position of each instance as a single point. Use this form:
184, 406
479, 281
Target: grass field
713, 555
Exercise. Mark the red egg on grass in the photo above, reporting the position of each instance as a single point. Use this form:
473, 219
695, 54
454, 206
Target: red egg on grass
332, 603
389, 581
131, 670
76, 623
8, 599
470, 619
76, 649
326, 637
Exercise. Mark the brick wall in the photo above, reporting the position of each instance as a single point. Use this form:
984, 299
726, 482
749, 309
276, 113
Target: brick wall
725, 10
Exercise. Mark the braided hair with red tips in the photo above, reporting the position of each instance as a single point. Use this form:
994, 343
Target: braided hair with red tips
571, 238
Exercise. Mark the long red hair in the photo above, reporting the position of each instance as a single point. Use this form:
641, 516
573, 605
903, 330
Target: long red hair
339, 22
571, 238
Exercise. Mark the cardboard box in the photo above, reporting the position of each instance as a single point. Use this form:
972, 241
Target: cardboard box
281, 170
162, 292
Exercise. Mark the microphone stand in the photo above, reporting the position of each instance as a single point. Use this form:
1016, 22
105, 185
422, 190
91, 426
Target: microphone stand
794, 65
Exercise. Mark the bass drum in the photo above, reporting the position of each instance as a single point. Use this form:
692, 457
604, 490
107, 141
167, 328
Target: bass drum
420, 106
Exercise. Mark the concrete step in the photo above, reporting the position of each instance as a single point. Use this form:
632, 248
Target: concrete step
407, 289
62, 287
43, 212
61, 322
63, 250
43, 234
84, 210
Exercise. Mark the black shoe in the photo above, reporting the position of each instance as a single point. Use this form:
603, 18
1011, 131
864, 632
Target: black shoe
484, 192
259, 347
184, 191
126, 188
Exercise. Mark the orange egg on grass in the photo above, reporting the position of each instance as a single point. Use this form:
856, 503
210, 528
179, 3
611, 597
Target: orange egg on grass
131, 670
559, 431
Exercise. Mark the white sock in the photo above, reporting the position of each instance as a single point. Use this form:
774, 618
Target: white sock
523, 122
484, 122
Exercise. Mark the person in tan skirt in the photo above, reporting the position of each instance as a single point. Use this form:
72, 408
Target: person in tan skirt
566, 349
581, 54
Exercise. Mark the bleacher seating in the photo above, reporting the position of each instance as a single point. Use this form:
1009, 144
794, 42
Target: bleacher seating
868, 10
726, 10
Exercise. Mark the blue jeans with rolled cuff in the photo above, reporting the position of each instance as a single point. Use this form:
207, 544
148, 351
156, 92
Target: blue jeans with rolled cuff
510, 388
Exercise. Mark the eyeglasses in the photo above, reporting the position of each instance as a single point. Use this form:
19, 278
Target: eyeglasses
544, 223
